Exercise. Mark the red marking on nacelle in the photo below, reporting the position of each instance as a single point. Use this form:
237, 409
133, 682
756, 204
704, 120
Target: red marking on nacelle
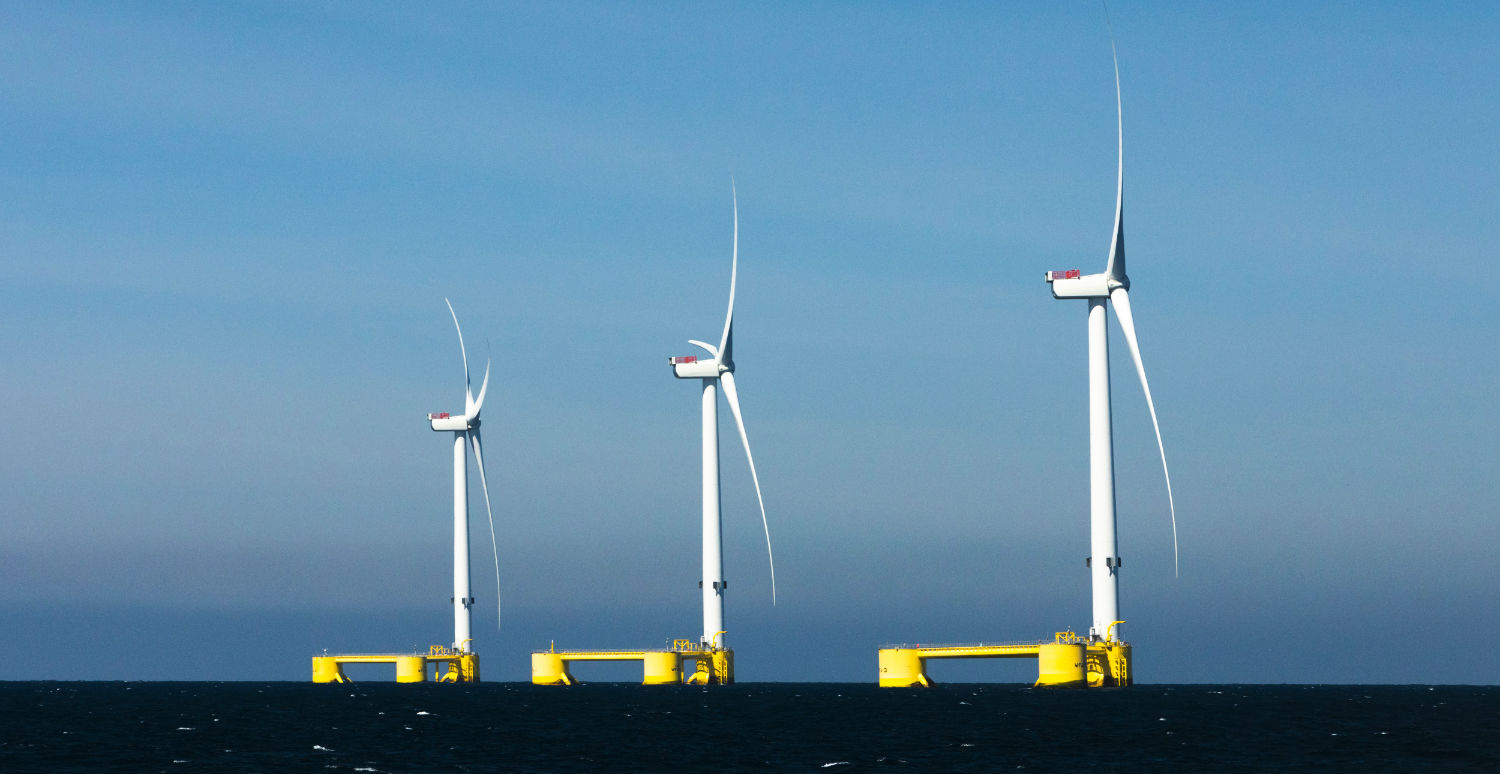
684, 359
443, 415
1069, 274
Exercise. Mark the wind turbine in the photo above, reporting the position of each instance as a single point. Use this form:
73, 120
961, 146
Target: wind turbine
716, 369
465, 429
1110, 288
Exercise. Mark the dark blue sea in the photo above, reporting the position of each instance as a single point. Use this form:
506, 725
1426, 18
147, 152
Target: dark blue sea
822, 727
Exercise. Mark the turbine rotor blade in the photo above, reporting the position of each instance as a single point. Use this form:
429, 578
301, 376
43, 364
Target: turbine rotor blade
483, 386
709, 348
1115, 268
726, 342
484, 484
468, 398
1120, 299
727, 380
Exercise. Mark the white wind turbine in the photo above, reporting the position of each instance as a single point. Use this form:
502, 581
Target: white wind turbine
465, 429
1112, 287
717, 369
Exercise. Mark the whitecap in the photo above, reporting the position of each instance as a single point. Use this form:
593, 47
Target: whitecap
186, 728
835, 763
423, 712
321, 747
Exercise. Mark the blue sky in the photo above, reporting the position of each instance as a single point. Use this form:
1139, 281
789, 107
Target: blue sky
226, 233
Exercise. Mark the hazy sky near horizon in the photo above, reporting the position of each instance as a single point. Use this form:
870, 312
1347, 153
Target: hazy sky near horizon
227, 230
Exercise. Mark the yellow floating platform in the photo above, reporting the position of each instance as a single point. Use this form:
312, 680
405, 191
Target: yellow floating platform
1068, 661
410, 667
711, 666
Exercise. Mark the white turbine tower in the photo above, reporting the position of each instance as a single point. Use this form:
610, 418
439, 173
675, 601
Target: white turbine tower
1110, 288
465, 429
718, 368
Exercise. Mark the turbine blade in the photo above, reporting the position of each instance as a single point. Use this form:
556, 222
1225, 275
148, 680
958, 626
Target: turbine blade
468, 398
484, 484
726, 342
1120, 298
727, 380
1115, 268
483, 386
709, 348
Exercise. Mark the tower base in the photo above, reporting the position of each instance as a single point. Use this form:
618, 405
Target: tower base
713, 667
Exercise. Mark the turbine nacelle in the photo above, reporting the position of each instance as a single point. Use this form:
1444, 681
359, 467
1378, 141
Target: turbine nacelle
693, 367
1071, 284
452, 423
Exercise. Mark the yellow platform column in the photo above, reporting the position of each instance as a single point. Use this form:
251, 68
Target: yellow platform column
462, 668
550, 669
1118, 661
661, 668
1061, 665
468, 668
700, 674
411, 669
326, 669
902, 668
722, 662
1098, 666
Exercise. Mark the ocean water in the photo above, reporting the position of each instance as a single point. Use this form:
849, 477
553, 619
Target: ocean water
823, 727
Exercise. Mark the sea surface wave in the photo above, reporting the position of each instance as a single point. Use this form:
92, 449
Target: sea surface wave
510, 727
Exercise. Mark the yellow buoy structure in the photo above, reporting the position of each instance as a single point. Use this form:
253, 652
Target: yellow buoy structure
1067, 661
447, 665
459, 658
658, 667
